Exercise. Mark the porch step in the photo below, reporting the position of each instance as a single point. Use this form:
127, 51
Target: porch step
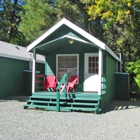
78, 103
61, 102
48, 102
44, 97
79, 108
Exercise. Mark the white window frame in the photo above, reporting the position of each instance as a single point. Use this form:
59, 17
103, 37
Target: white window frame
67, 55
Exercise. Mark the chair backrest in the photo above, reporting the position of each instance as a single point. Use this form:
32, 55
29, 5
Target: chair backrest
50, 79
73, 79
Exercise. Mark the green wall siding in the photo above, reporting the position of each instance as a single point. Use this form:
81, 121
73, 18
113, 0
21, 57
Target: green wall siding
109, 97
11, 76
122, 86
50, 67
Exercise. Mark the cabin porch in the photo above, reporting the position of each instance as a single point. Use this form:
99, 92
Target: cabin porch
73, 101
62, 101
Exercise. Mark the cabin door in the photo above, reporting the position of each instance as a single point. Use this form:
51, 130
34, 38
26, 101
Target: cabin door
91, 76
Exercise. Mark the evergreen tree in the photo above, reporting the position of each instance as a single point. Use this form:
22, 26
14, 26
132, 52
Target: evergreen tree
39, 16
9, 21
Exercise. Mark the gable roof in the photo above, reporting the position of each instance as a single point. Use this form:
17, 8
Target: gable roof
8, 50
77, 29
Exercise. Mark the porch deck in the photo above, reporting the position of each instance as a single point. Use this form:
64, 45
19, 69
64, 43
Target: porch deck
76, 101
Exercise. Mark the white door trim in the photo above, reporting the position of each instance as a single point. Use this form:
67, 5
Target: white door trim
100, 71
85, 68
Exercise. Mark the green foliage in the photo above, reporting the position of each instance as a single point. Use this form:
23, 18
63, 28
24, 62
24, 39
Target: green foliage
120, 20
134, 67
38, 16
9, 21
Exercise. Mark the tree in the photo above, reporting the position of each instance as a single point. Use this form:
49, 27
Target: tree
94, 27
9, 21
120, 20
134, 67
38, 16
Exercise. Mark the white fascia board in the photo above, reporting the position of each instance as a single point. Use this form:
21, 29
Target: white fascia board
18, 58
48, 32
112, 53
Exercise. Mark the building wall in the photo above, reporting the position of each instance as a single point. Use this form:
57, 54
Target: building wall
50, 67
11, 76
111, 68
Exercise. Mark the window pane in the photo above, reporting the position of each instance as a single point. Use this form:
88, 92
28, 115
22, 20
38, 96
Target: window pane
96, 64
93, 65
73, 65
73, 58
96, 70
61, 59
89, 70
93, 59
90, 59
93, 70
67, 58
97, 59
89, 65
67, 64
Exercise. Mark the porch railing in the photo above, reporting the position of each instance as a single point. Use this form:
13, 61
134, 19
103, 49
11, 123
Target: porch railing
61, 88
103, 83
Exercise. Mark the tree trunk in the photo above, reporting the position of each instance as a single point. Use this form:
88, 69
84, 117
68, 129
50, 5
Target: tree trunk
11, 20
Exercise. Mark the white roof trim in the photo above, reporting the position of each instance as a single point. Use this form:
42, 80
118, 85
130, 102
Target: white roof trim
112, 53
77, 29
18, 58
66, 36
72, 26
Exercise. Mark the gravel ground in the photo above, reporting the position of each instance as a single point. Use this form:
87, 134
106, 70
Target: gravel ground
120, 121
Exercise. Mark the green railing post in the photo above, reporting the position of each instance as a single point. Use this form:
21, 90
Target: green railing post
62, 82
57, 101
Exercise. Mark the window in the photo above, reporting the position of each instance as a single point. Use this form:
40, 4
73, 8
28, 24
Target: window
67, 63
93, 64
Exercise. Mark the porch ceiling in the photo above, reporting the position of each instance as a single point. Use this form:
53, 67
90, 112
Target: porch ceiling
62, 42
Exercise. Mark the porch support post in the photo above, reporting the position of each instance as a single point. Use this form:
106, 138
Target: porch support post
100, 71
33, 71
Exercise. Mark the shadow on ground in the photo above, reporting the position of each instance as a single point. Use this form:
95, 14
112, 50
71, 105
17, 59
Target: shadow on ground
134, 102
17, 98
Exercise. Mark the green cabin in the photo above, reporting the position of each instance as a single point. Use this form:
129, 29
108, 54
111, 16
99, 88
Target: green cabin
69, 50
15, 70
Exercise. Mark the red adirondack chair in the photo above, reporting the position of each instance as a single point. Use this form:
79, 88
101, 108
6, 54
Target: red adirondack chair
50, 83
71, 83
